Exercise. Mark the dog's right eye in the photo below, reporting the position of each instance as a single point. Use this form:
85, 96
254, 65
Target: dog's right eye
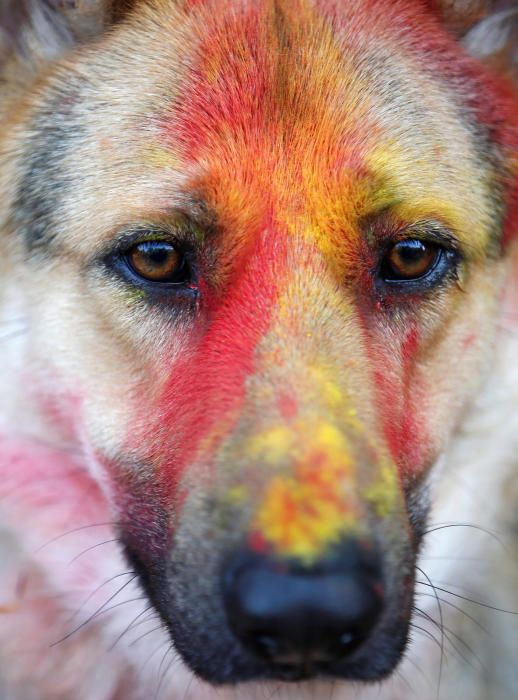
157, 265
157, 261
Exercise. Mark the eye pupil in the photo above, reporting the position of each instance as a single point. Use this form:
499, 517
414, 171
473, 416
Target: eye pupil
409, 259
156, 261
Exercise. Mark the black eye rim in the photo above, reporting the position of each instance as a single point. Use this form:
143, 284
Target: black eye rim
444, 268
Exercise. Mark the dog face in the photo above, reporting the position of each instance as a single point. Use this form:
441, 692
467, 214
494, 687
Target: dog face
263, 250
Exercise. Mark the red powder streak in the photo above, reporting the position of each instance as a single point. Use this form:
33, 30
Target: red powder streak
206, 390
257, 543
226, 92
398, 401
410, 448
238, 98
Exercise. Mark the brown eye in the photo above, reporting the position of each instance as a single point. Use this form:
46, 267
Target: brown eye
157, 261
410, 260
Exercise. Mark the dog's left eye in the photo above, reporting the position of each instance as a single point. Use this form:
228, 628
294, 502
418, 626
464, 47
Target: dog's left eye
157, 261
409, 260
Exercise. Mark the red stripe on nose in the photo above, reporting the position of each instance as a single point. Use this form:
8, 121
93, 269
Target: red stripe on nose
203, 396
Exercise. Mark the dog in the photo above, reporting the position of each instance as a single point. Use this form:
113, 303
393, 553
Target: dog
258, 339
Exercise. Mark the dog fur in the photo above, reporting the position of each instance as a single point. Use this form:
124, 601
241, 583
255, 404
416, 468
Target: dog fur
107, 122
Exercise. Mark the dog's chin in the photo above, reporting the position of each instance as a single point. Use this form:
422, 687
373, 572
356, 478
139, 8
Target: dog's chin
364, 671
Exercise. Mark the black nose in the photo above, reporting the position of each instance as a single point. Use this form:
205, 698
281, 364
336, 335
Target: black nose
294, 616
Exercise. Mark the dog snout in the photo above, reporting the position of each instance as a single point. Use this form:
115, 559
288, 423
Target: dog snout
300, 618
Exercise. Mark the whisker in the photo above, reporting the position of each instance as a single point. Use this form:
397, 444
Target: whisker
427, 633
478, 560
174, 660
455, 607
161, 674
98, 588
76, 529
96, 613
441, 618
153, 617
408, 659
155, 629
275, 691
448, 633
403, 678
130, 626
93, 546
469, 600
189, 684
473, 526
161, 646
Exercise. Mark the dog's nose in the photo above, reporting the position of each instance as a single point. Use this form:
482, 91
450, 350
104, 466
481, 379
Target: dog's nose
292, 615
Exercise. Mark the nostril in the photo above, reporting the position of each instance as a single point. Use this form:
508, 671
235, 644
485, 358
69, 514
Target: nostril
288, 614
266, 644
346, 641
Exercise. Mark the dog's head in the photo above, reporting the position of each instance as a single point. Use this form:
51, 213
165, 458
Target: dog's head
263, 246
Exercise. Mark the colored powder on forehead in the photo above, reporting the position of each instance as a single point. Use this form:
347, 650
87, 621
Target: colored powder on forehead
268, 85
493, 102
274, 80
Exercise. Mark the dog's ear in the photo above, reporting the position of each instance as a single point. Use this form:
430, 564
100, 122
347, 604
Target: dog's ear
38, 30
488, 29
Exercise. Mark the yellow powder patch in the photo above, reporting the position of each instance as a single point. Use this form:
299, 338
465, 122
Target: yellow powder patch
432, 198
384, 492
132, 295
332, 440
237, 495
334, 397
161, 157
272, 445
329, 390
302, 515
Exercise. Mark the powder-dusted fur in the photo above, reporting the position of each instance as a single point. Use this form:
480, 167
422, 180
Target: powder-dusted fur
283, 399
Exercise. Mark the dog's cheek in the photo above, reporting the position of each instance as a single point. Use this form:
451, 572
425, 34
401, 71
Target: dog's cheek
104, 362
456, 356
428, 362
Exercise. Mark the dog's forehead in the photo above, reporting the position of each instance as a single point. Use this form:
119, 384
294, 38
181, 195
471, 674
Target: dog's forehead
298, 111
285, 108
